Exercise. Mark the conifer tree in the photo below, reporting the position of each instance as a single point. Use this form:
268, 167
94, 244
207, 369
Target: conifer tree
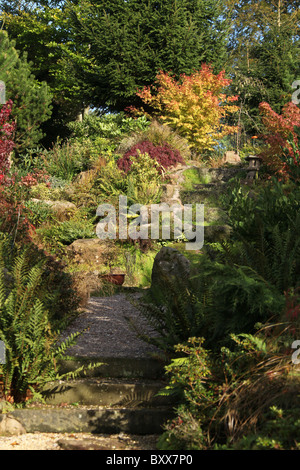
31, 99
130, 42
265, 54
42, 30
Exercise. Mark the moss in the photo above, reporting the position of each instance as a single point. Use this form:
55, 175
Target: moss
192, 177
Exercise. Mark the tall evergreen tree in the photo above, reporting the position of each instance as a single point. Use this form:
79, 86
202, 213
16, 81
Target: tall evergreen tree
31, 99
265, 54
131, 41
41, 29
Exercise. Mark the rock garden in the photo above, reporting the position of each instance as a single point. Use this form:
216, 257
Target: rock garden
131, 341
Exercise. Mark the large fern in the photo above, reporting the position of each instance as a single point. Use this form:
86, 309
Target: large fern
272, 254
215, 300
32, 348
174, 311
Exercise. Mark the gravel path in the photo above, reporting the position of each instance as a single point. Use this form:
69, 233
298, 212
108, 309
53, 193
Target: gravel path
108, 335
81, 441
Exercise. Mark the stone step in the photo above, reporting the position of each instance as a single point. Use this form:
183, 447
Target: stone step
221, 174
116, 367
106, 392
214, 215
216, 233
141, 421
203, 194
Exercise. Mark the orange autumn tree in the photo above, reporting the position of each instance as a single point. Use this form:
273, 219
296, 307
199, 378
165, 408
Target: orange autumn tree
195, 105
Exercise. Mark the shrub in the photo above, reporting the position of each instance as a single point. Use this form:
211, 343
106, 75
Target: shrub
273, 203
58, 288
65, 160
48, 191
38, 212
109, 127
31, 97
196, 105
215, 300
265, 233
241, 397
143, 180
165, 155
14, 215
291, 158
159, 134
278, 129
109, 183
140, 183
174, 310
65, 232
191, 381
6, 131
31, 341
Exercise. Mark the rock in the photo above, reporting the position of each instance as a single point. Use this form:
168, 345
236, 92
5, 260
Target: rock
169, 263
88, 250
231, 157
219, 175
81, 444
168, 192
10, 426
62, 209
86, 176
216, 233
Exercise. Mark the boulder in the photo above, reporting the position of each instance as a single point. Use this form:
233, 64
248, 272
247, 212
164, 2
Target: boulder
168, 264
231, 157
10, 426
82, 444
168, 192
62, 209
217, 233
88, 250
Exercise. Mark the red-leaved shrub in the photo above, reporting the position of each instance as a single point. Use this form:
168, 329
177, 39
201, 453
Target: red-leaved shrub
165, 155
14, 188
13, 217
6, 131
279, 128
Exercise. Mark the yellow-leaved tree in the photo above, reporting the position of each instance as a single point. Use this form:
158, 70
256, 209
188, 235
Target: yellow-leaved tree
195, 105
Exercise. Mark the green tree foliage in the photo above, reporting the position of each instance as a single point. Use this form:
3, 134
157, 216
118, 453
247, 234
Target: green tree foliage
264, 45
130, 42
102, 52
31, 98
42, 30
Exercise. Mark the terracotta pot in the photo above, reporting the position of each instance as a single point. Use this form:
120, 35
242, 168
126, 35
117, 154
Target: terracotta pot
117, 279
